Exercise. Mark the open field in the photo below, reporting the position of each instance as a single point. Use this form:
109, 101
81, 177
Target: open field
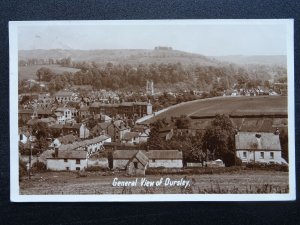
228, 105
243, 181
29, 72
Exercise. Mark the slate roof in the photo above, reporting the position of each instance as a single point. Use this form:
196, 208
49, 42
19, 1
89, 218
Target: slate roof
249, 141
129, 135
72, 154
164, 154
142, 158
84, 143
84, 108
151, 154
67, 139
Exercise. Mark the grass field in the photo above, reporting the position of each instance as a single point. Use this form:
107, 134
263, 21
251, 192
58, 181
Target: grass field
243, 181
29, 72
228, 105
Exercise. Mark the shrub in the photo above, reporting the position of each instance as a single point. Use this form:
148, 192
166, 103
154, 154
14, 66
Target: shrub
95, 168
230, 159
39, 167
268, 166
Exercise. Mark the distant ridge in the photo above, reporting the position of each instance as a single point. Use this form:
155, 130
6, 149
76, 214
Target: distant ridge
271, 60
122, 56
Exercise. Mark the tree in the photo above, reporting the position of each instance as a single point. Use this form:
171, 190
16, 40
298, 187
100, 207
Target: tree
155, 141
40, 129
218, 139
182, 122
44, 74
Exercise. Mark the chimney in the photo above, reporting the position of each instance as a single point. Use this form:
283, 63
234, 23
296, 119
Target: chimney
258, 136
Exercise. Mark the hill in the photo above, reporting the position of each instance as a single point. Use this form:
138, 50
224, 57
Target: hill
29, 72
268, 60
260, 113
121, 56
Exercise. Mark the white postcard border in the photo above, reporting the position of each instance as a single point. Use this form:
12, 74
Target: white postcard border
13, 107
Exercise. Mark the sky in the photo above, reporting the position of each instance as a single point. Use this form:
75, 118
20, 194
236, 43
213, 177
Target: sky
211, 39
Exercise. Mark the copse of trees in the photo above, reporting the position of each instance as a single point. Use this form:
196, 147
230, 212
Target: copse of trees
216, 142
214, 79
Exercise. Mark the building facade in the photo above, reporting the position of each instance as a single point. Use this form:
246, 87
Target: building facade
252, 147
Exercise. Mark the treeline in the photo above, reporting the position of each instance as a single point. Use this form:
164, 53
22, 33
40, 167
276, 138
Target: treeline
130, 77
115, 76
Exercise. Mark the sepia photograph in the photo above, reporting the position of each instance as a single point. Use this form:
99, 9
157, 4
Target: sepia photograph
152, 110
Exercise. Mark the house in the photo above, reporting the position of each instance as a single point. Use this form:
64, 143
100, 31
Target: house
165, 158
79, 129
127, 109
63, 115
64, 96
131, 137
67, 139
68, 160
258, 147
166, 132
105, 119
27, 114
84, 112
154, 158
143, 131
137, 165
89, 145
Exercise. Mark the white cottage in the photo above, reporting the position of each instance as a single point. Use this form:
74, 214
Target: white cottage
258, 147
63, 115
68, 160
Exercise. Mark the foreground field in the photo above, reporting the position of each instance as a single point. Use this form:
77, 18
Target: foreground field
243, 181
29, 72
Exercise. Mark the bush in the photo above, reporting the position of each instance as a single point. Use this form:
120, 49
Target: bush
268, 166
39, 167
230, 159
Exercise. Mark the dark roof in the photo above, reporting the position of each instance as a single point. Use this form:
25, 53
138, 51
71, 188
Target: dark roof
257, 141
164, 154
129, 135
84, 143
124, 154
72, 154
151, 154
142, 158
38, 111
67, 139
84, 108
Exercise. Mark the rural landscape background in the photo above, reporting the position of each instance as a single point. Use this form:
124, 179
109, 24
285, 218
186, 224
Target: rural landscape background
199, 104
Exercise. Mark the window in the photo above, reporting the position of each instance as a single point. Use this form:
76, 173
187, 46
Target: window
153, 160
135, 165
272, 155
67, 168
77, 161
244, 154
65, 160
262, 155
77, 168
